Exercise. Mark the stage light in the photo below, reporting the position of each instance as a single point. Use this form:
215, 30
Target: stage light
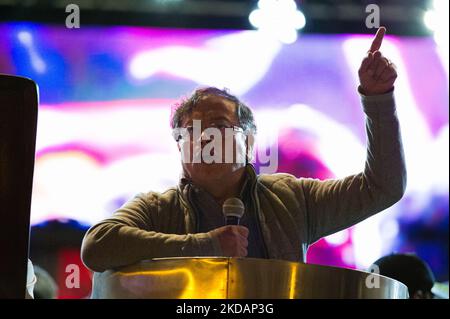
25, 38
436, 19
278, 18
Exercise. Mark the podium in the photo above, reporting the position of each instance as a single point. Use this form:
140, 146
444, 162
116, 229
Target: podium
241, 278
18, 123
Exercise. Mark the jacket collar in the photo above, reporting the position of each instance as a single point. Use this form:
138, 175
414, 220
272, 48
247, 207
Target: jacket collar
191, 215
186, 185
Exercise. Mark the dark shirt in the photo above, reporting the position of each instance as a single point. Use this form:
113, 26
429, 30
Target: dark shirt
211, 216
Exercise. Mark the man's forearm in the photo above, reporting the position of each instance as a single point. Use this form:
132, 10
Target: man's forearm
385, 164
110, 245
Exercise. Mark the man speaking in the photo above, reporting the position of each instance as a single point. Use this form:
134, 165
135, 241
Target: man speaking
221, 207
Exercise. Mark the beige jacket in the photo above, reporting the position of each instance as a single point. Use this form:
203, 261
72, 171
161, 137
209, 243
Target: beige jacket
293, 212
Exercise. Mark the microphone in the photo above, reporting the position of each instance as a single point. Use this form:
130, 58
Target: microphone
233, 209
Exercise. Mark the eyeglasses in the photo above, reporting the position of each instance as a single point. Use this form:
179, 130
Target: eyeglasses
187, 131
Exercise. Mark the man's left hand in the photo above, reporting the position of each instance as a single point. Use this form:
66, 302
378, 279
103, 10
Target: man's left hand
377, 74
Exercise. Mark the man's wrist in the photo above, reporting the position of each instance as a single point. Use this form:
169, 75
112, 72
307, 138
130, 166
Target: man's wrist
364, 92
378, 104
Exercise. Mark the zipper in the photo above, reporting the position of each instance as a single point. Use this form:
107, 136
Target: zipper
194, 210
195, 217
193, 214
258, 222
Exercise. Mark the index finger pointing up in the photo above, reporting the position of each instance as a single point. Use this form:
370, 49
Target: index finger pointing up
376, 44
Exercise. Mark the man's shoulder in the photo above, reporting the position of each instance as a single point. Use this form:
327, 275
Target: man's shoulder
282, 186
153, 198
272, 180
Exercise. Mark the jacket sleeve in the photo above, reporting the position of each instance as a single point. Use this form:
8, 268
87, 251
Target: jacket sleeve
131, 235
333, 205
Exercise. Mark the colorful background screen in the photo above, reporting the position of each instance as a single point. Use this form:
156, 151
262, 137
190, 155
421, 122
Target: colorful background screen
106, 95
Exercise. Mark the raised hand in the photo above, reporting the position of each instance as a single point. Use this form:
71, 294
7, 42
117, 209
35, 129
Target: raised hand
377, 74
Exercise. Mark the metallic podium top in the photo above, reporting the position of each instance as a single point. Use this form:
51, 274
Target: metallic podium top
241, 278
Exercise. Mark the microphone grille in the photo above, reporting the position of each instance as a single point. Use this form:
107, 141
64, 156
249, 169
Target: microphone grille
233, 207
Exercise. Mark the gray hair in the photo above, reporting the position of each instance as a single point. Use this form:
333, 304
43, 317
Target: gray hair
186, 106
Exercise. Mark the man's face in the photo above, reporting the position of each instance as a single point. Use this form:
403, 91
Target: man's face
212, 112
